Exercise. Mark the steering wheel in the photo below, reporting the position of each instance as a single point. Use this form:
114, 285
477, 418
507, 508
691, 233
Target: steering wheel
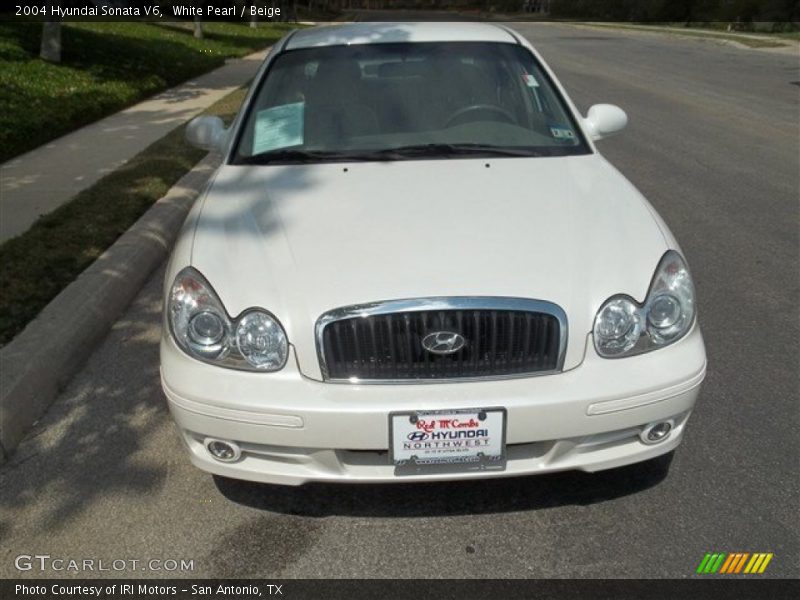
490, 108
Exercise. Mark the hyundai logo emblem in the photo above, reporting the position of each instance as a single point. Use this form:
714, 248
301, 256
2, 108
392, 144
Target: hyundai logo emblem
443, 342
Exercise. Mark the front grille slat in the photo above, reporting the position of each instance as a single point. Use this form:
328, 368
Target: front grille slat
541, 338
409, 362
493, 352
339, 343
377, 351
385, 347
460, 356
526, 344
358, 362
477, 337
391, 344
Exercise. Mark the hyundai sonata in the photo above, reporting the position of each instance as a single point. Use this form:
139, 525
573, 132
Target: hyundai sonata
413, 264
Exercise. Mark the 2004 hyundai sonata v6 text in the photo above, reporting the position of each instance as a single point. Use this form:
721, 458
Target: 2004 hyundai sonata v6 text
413, 265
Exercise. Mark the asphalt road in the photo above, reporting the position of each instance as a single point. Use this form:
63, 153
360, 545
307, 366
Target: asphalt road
713, 142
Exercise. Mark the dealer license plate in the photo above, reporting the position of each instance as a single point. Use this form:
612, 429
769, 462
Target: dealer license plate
448, 440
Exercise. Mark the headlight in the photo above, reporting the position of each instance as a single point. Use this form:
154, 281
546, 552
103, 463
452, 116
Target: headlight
261, 341
618, 326
623, 327
201, 327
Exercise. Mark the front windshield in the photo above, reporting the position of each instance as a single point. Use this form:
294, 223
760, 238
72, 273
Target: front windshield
405, 101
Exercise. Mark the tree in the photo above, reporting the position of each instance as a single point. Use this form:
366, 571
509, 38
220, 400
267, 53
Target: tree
198, 24
50, 49
253, 17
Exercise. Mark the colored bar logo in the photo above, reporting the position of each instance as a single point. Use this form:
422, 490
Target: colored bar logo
733, 563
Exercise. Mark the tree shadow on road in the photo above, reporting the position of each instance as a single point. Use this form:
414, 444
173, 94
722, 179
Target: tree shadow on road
439, 499
89, 447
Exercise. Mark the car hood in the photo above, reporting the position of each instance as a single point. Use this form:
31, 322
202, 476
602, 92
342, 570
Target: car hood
300, 240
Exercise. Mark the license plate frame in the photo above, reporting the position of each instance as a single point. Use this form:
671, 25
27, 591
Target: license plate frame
462, 458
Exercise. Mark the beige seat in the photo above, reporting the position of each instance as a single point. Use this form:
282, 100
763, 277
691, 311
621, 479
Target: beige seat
334, 109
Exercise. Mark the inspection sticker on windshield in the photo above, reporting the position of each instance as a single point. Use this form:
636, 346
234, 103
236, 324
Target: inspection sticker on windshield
561, 133
278, 127
530, 80
469, 439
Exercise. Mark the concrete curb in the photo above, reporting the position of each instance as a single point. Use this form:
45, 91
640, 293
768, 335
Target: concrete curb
40, 361
786, 46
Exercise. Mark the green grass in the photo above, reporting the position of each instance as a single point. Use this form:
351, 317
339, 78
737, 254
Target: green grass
37, 265
105, 67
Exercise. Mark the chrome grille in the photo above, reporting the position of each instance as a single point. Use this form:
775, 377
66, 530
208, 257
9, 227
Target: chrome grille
383, 342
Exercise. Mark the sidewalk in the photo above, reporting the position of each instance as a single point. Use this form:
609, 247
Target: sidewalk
40, 181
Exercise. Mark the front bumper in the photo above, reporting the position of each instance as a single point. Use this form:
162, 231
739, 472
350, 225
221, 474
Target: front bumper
293, 430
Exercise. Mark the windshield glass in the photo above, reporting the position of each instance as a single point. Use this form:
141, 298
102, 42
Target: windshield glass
405, 101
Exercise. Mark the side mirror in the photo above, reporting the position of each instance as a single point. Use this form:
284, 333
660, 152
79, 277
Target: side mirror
206, 133
604, 120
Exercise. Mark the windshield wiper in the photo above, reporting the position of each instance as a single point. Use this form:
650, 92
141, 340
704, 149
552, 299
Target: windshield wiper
312, 156
448, 150
388, 154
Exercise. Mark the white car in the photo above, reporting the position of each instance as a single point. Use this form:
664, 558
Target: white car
414, 265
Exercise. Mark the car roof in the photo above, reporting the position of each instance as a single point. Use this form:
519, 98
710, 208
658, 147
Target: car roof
385, 33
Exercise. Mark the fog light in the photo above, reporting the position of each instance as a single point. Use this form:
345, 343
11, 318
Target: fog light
656, 432
222, 451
